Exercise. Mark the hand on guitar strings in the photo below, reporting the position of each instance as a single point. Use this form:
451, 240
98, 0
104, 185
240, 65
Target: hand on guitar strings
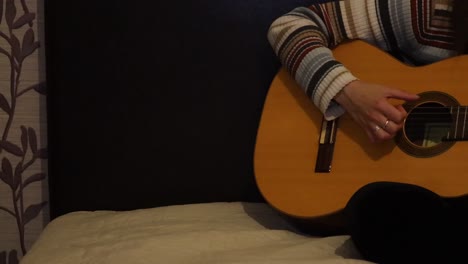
368, 105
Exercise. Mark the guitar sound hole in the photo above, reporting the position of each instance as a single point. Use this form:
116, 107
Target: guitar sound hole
428, 124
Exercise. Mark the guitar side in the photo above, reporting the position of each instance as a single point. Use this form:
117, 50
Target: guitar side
287, 139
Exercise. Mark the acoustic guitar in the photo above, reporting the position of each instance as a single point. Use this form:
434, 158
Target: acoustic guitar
306, 167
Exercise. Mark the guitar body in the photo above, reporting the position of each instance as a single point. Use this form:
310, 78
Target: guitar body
288, 139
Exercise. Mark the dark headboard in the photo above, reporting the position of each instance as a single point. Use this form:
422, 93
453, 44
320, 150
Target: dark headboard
155, 103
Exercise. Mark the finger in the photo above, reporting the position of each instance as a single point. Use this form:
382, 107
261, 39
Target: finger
371, 136
401, 109
367, 126
390, 112
402, 95
379, 134
391, 127
385, 123
403, 112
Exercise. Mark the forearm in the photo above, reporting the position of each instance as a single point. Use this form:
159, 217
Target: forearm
302, 39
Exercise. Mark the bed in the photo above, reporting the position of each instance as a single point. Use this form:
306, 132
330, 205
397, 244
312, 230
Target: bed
153, 110
236, 232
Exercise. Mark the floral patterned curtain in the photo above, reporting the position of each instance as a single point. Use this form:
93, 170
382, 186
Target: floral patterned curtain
23, 146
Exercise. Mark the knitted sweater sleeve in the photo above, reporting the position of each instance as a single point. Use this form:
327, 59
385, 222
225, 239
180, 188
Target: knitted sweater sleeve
304, 37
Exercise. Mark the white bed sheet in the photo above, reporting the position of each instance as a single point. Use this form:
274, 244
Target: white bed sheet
191, 234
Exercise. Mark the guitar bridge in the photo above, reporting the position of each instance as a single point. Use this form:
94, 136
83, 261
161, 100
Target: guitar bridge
326, 146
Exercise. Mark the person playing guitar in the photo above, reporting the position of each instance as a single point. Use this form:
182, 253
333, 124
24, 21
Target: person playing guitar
389, 222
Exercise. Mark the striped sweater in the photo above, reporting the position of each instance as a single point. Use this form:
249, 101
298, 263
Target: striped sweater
416, 31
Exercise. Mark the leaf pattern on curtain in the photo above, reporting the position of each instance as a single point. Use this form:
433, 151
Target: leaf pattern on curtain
19, 145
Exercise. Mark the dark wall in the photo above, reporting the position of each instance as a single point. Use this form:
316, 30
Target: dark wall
154, 103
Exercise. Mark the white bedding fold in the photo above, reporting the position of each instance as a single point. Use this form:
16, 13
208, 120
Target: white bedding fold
191, 234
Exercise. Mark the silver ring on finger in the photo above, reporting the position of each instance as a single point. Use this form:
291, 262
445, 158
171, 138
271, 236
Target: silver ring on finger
386, 124
377, 128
